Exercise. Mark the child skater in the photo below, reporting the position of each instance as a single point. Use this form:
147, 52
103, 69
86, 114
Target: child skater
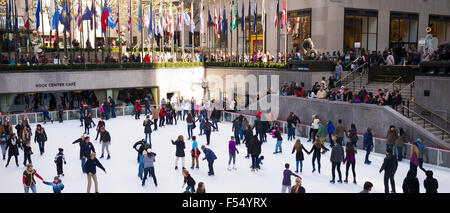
59, 159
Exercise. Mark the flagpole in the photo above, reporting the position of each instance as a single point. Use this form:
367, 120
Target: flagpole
182, 33
65, 30
71, 37
278, 30
118, 33
42, 21
28, 29
57, 38
15, 34
130, 26
263, 16
95, 32
285, 33
142, 32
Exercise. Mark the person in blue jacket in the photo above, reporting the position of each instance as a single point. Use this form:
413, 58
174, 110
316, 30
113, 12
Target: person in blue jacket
85, 151
421, 153
330, 128
45, 113
202, 120
210, 157
56, 185
91, 169
368, 144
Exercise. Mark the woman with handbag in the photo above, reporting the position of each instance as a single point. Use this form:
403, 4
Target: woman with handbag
195, 152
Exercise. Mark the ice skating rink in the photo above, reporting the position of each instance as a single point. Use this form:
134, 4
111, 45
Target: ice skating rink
122, 168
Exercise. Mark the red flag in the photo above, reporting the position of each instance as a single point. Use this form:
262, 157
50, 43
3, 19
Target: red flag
283, 14
105, 16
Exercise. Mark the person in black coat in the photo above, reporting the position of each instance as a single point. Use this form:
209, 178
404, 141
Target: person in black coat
315, 149
179, 153
411, 183
85, 150
140, 147
259, 126
255, 151
208, 126
292, 121
148, 129
431, 184
87, 122
12, 146
237, 126
390, 167
40, 137
248, 135
105, 140
80, 142
299, 157
215, 117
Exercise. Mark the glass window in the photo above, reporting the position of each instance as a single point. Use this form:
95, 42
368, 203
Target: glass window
403, 32
440, 28
360, 26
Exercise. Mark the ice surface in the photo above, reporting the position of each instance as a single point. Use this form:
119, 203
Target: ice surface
122, 168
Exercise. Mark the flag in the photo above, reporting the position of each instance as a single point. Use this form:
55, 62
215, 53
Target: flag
25, 17
275, 21
263, 14
8, 16
150, 21
111, 22
51, 9
187, 18
283, 15
181, 20
16, 20
201, 18
209, 16
94, 14
37, 14
64, 17
216, 21
170, 17
160, 20
140, 17
254, 17
129, 18
79, 16
243, 18
225, 21
192, 23
105, 16
236, 16
249, 15
87, 15
55, 18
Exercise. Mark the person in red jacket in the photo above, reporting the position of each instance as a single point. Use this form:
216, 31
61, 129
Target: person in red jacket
28, 179
138, 108
100, 124
147, 59
162, 115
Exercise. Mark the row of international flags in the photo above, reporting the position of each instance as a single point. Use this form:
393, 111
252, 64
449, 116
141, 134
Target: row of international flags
165, 22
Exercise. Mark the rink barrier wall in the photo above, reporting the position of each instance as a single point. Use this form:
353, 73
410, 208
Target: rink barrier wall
434, 156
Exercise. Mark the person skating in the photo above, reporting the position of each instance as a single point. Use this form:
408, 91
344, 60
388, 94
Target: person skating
112, 103
339, 132
85, 150
148, 129
155, 116
286, 184
195, 152
314, 128
208, 126
28, 178
90, 167
399, 143
201, 188
201, 120
421, 153
255, 151
46, 114
59, 160
149, 168
277, 135
411, 183
101, 124
162, 115
390, 167
87, 122
138, 108
236, 128
322, 133
13, 146
299, 157
292, 121
60, 112
368, 144
215, 117
232, 150
179, 152
80, 142
298, 188
248, 135
315, 149
57, 185
414, 157
141, 146
27, 152
367, 187
336, 158
350, 161
352, 135
40, 136
19, 129
189, 181
210, 157
3, 142
26, 137
390, 138
105, 141
190, 125
259, 126
430, 184
330, 130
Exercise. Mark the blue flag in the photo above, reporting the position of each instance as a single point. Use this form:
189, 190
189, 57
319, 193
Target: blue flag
225, 21
209, 16
254, 17
64, 17
243, 17
111, 21
150, 34
87, 14
55, 18
37, 14
16, 21
8, 16
249, 15
140, 17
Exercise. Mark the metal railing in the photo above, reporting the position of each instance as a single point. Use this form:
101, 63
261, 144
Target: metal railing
351, 73
425, 121
393, 83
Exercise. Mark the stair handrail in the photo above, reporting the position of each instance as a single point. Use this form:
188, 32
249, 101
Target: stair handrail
401, 90
433, 124
353, 81
342, 78
391, 84
428, 110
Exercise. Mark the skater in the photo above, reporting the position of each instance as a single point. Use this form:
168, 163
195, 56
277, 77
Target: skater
87, 122
399, 142
367, 187
90, 168
277, 135
330, 129
202, 121
421, 153
56, 185
248, 135
322, 133
162, 115
299, 157
19, 129
179, 153
28, 179
368, 144
210, 157
155, 116
292, 121
390, 167
411, 183
336, 158
85, 151
27, 152
315, 149
208, 126
390, 138
431, 184
59, 160
3, 142
255, 151
189, 181
80, 141
232, 150
107, 108
138, 108
350, 160
13, 146
259, 126
286, 184
215, 117
60, 112
105, 140
236, 128
148, 129
190, 125
149, 168
46, 114
339, 132
200, 188
195, 152
314, 128
41, 137
7, 129
101, 124
414, 157
112, 103
298, 188
352, 135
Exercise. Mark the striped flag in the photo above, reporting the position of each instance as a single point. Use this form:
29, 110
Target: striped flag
25, 17
283, 15
275, 21
129, 17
